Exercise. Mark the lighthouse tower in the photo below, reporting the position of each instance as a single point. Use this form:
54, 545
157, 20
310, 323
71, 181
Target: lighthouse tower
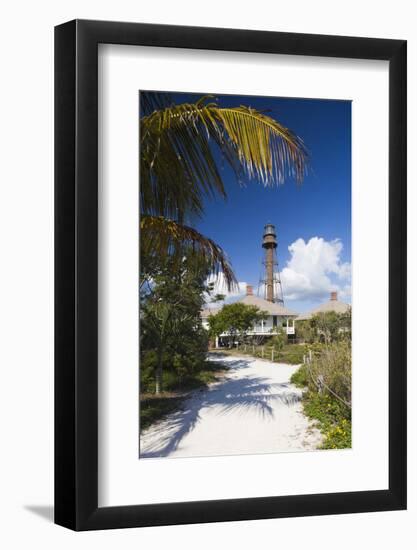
270, 280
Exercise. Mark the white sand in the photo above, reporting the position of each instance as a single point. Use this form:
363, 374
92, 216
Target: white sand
254, 409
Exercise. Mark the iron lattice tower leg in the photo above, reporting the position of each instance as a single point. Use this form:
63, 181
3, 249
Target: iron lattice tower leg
271, 280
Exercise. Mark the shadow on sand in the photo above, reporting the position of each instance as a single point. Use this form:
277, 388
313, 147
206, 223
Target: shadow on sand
254, 394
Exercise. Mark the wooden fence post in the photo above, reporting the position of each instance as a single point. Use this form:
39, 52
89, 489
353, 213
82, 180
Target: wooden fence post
272, 354
262, 352
320, 383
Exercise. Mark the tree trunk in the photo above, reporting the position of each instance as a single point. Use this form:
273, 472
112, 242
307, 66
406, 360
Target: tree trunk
158, 373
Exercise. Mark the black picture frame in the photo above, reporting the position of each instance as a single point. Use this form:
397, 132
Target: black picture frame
76, 272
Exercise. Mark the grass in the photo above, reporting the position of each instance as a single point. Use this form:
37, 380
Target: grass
333, 420
332, 417
155, 407
291, 353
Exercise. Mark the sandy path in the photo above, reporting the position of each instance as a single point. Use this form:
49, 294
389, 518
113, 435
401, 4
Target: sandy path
254, 409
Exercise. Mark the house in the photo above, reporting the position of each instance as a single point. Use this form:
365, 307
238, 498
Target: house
331, 305
278, 315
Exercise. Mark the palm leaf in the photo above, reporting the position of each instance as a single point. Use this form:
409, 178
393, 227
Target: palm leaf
178, 167
164, 237
266, 149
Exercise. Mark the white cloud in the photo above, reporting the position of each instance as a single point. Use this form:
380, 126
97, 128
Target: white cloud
315, 269
220, 287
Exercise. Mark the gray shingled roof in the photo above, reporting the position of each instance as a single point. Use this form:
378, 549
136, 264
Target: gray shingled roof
263, 305
330, 305
270, 307
206, 312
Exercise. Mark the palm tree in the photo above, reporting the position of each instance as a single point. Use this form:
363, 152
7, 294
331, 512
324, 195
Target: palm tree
178, 168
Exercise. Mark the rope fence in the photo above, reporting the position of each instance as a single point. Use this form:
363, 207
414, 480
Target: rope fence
261, 351
271, 354
320, 383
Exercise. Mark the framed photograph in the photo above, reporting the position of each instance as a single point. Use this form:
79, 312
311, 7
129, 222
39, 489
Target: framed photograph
230, 252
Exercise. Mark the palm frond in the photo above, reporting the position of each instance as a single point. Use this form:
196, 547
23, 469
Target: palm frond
266, 149
178, 167
151, 101
165, 237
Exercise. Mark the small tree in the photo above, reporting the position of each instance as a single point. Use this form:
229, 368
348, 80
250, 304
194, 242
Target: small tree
170, 322
236, 320
331, 326
278, 341
305, 332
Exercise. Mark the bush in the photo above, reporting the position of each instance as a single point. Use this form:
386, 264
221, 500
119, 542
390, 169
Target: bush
278, 341
148, 364
331, 364
155, 407
300, 377
292, 353
327, 327
334, 419
180, 362
334, 366
305, 332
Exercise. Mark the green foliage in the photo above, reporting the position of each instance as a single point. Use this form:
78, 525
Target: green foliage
178, 165
235, 319
292, 354
300, 377
173, 341
154, 407
278, 341
332, 366
162, 238
325, 327
333, 417
288, 353
305, 332
332, 326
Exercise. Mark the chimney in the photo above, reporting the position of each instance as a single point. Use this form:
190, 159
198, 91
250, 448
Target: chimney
333, 296
249, 290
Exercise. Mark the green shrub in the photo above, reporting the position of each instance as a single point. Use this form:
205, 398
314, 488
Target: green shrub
327, 327
305, 332
148, 364
333, 417
292, 354
300, 377
154, 407
332, 365
278, 341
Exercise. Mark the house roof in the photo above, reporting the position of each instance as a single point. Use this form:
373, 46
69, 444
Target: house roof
206, 312
270, 307
330, 305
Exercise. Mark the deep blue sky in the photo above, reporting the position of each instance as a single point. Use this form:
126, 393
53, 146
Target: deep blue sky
319, 207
